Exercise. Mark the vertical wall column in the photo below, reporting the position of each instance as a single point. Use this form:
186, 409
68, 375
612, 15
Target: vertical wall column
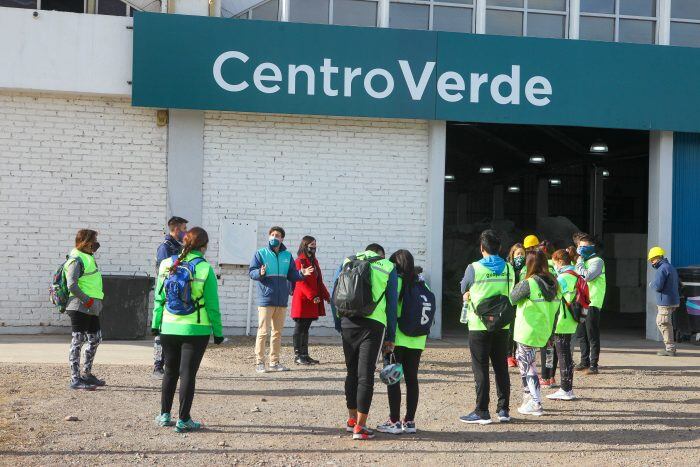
660, 226
186, 143
436, 214
597, 198
542, 208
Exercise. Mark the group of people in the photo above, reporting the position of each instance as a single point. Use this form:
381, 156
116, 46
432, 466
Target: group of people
542, 287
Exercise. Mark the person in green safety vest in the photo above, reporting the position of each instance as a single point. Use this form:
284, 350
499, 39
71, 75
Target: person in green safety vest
592, 268
566, 325
516, 257
547, 379
185, 329
364, 338
84, 282
489, 277
537, 299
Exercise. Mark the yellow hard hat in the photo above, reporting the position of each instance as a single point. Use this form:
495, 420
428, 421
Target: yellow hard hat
531, 241
655, 252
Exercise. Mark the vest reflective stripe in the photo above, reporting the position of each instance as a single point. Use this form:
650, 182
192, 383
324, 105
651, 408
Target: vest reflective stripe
566, 323
379, 282
487, 284
90, 282
201, 272
597, 286
277, 264
534, 317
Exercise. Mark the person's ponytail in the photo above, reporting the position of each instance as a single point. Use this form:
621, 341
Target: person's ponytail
195, 239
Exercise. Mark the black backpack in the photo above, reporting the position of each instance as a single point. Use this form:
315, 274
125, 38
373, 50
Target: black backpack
352, 293
497, 311
417, 310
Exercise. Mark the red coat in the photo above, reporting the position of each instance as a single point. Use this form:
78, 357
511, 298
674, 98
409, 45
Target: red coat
305, 291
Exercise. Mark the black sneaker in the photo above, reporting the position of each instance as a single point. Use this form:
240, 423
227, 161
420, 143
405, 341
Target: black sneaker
300, 360
79, 383
158, 373
312, 361
581, 366
93, 380
592, 371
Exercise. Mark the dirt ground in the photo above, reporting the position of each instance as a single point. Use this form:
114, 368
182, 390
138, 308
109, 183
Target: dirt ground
637, 411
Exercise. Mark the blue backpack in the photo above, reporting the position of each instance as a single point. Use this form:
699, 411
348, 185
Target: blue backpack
418, 310
178, 288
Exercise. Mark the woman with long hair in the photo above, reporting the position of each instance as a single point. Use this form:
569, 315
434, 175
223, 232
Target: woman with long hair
307, 302
407, 350
185, 323
84, 283
516, 257
537, 299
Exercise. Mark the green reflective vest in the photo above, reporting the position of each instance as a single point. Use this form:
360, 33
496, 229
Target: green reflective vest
194, 324
597, 286
566, 324
487, 284
534, 317
380, 277
90, 282
402, 340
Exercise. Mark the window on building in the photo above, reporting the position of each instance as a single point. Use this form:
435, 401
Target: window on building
619, 20
437, 15
72, 6
685, 23
355, 12
535, 18
310, 11
268, 11
111, 7
19, 3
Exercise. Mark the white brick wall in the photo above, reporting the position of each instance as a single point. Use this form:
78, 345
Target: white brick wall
68, 162
346, 181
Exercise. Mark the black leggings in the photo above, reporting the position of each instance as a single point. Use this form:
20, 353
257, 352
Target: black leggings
562, 342
362, 341
548, 373
410, 359
301, 335
182, 356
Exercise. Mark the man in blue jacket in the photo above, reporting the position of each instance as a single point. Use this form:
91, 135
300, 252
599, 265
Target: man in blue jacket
666, 286
273, 268
171, 246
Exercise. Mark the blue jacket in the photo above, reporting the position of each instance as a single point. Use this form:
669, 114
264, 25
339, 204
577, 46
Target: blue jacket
169, 247
666, 284
274, 288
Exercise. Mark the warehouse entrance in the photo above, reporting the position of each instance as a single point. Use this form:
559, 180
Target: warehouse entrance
551, 181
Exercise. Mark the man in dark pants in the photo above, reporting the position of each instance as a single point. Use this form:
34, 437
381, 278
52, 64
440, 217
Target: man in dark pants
364, 337
171, 246
592, 268
489, 277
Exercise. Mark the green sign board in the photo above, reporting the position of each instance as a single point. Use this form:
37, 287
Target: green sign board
192, 62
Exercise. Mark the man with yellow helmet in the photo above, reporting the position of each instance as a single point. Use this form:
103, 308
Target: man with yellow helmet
665, 284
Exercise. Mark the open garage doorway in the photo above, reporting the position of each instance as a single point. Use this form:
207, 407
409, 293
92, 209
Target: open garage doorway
550, 181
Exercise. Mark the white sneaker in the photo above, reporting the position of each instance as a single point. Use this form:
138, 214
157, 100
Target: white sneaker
260, 368
562, 395
278, 367
531, 408
390, 427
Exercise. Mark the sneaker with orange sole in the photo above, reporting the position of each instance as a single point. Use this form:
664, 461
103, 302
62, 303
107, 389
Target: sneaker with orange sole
512, 362
350, 425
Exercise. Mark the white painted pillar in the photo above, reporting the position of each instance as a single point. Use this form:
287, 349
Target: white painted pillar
436, 214
383, 14
186, 143
480, 17
660, 212
663, 31
574, 19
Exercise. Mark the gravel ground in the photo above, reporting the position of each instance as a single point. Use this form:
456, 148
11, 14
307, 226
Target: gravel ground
632, 413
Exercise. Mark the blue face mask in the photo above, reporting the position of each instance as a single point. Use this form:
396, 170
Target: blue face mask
274, 242
586, 251
181, 236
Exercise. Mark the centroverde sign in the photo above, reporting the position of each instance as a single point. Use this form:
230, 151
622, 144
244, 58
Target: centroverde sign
204, 63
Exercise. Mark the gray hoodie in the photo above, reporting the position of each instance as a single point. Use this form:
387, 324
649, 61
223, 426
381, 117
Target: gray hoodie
73, 271
522, 289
